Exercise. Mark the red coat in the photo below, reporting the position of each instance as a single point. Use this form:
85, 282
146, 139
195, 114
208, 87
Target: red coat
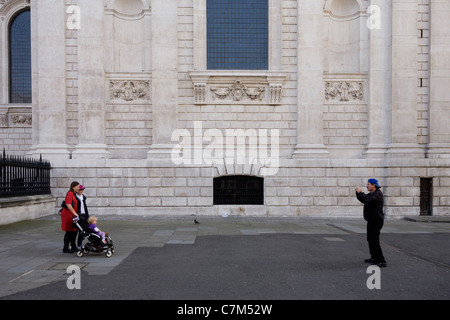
66, 215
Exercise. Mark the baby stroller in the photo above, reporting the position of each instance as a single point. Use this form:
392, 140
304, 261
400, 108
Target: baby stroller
94, 242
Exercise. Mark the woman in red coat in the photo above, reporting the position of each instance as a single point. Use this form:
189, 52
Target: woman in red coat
66, 218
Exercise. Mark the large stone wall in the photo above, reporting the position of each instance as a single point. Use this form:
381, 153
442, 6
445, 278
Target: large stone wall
300, 187
347, 100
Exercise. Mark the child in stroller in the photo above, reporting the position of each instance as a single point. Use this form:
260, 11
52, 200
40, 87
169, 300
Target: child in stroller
97, 241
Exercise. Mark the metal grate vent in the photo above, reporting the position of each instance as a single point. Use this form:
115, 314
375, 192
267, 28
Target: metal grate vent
239, 190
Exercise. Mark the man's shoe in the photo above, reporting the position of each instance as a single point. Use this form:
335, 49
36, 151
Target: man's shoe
381, 264
369, 260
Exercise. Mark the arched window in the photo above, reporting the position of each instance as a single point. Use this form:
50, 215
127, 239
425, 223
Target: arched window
20, 58
239, 190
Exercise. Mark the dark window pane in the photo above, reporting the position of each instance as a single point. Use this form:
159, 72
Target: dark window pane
20, 59
237, 34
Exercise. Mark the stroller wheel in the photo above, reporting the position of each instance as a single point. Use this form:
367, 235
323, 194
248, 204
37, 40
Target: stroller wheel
79, 253
108, 253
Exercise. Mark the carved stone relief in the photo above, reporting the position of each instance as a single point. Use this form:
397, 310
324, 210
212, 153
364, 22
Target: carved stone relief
20, 120
2, 2
275, 93
129, 90
234, 87
237, 92
14, 118
343, 91
200, 92
3, 120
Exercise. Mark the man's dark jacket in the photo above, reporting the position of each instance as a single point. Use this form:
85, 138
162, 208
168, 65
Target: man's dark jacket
373, 205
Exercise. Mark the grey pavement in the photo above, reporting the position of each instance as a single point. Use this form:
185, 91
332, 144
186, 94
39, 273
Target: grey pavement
234, 257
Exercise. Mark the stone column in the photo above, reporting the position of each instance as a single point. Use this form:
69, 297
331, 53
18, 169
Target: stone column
164, 76
404, 80
310, 83
439, 146
48, 62
380, 82
91, 83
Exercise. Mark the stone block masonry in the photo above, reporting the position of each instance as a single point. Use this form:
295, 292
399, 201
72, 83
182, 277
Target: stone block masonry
300, 188
25, 208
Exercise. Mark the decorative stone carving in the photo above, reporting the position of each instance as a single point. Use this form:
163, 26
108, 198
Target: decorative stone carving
20, 120
238, 87
200, 92
129, 90
275, 93
3, 120
343, 91
237, 92
15, 117
5, 2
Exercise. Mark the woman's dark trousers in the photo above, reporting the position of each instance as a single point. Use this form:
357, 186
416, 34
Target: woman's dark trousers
69, 238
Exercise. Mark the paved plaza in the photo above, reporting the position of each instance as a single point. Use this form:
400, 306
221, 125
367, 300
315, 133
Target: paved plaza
233, 257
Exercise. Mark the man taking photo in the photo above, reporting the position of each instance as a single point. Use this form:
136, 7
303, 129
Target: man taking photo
373, 214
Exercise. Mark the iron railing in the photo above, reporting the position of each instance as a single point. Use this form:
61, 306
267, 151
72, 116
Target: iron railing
22, 176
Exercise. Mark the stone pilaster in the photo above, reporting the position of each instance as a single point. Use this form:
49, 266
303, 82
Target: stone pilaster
380, 82
310, 83
164, 76
439, 146
48, 27
404, 80
91, 83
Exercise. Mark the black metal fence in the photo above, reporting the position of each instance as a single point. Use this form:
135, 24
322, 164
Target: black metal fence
21, 176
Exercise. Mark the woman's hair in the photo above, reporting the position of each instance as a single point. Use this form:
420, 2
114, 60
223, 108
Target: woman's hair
73, 185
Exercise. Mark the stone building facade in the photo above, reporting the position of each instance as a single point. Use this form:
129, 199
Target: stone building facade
125, 102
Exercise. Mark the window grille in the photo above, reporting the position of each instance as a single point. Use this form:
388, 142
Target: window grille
239, 190
20, 59
237, 34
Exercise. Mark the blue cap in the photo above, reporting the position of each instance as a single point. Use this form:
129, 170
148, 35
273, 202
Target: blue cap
375, 182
